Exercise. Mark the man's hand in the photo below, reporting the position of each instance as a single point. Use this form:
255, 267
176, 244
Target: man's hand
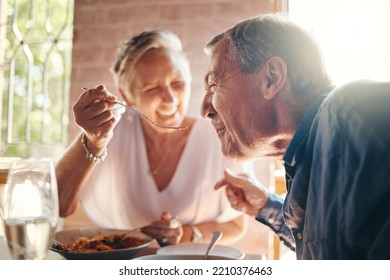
244, 192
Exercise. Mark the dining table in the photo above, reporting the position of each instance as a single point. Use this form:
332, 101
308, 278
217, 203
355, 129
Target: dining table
150, 250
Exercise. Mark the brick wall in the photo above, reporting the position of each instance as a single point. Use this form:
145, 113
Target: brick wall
101, 25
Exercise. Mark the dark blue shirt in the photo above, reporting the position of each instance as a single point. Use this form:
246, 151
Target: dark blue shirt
338, 177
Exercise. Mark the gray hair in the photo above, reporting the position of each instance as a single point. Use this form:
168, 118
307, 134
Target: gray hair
253, 41
133, 49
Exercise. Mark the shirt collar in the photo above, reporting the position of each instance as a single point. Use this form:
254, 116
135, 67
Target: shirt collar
296, 147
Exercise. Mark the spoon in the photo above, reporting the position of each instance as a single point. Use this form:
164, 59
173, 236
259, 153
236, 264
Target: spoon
215, 237
146, 117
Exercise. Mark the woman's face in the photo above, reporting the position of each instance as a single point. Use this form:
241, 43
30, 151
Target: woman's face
161, 86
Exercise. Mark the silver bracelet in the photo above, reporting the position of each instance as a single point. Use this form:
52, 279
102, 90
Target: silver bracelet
91, 156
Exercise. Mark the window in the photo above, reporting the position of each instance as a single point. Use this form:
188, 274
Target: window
35, 64
353, 35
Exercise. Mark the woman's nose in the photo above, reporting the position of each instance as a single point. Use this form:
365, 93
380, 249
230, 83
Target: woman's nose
168, 95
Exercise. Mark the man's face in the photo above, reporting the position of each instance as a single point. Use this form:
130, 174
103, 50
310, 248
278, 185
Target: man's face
238, 111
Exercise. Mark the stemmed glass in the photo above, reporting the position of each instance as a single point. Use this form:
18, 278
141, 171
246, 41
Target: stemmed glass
30, 208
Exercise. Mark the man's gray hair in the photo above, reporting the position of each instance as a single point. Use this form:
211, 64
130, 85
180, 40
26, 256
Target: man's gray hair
253, 41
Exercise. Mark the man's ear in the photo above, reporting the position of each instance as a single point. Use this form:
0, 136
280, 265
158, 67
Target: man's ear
129, 100
276, 75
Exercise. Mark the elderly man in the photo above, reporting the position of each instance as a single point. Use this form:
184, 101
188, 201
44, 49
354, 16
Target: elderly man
268, 95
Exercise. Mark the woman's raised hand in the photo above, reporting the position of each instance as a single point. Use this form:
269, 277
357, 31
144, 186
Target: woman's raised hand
96, 113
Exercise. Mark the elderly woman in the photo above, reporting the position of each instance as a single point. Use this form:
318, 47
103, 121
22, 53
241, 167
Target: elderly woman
127, 172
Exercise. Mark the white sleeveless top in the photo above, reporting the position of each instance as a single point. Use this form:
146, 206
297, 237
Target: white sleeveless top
121, 193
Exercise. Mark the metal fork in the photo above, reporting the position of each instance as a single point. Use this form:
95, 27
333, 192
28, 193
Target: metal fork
146, 117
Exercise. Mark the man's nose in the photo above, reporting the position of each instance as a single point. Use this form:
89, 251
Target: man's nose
207, 109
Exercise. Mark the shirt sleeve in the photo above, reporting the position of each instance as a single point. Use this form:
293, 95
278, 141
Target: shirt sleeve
272, 216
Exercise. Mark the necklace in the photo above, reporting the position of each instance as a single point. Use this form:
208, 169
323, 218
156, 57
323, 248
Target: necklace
154, 171
177, 144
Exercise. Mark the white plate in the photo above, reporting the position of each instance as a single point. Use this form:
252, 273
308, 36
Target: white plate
200, 249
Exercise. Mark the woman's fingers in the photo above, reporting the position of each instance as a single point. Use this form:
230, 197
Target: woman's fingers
89, 108
168, 230
94, 95
99, 117
94, 102
97, 114
166, 216
167, 221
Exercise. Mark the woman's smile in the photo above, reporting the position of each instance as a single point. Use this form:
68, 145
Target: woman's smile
167, 114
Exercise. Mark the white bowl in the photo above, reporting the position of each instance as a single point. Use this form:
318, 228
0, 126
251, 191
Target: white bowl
180, 257
200, 249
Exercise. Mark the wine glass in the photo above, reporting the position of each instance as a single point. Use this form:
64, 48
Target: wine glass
30, 208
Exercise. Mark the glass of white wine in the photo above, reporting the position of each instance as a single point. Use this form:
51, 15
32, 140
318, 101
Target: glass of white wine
30, 208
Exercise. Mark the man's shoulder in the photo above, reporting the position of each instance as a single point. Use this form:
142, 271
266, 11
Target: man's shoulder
358, 106
358, 92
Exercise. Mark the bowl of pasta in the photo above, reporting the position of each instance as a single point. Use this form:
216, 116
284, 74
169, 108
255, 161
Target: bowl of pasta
99, 243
